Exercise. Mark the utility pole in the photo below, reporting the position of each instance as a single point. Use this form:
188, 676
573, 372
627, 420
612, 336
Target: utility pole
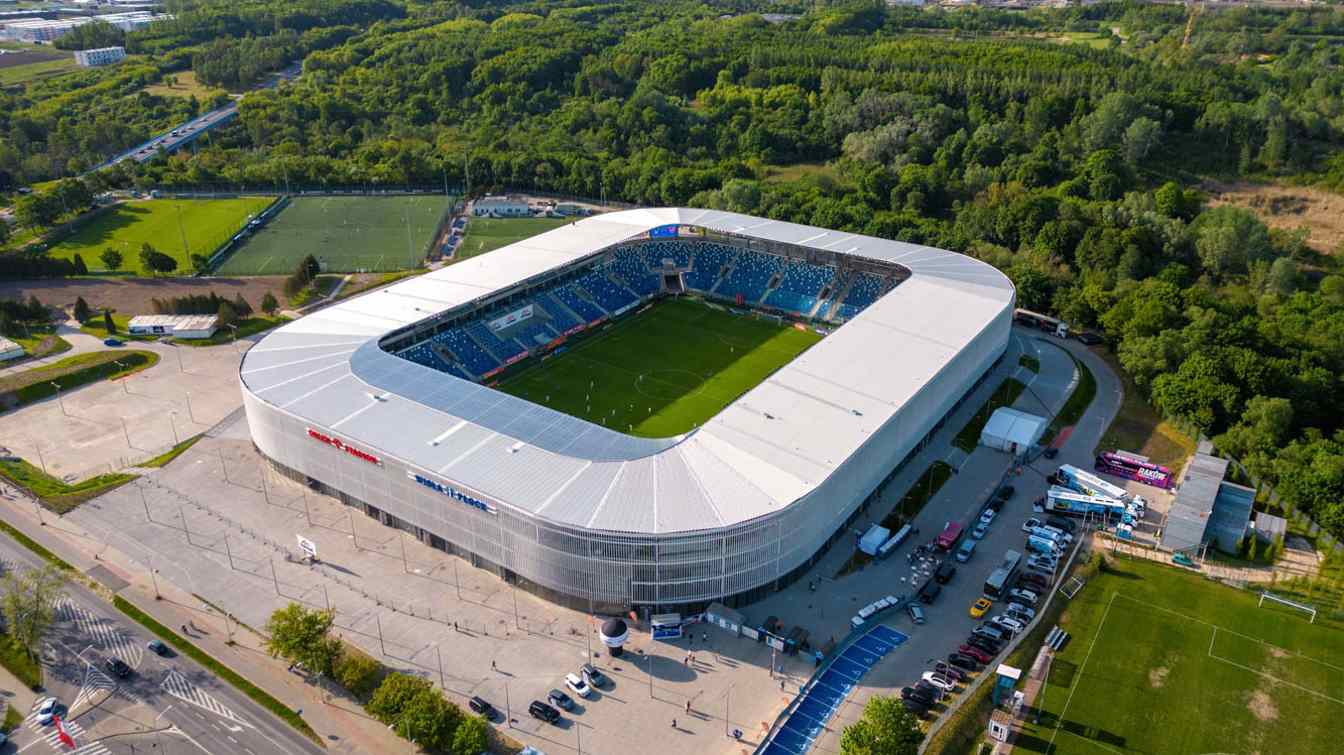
153, 577
126, 433
227, 550
381, 647
265, 491
405, 564
306, 513
439, 654
352, 532
274, 579
456, 580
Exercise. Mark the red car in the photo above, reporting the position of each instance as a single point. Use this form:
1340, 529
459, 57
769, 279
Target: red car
975, 653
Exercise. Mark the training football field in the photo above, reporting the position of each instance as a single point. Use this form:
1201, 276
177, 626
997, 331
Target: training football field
488, 234
664, 371
346, 234
1163, 660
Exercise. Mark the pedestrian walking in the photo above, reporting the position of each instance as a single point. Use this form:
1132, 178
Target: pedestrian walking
688, 707
674, 723
492, 666
705, 637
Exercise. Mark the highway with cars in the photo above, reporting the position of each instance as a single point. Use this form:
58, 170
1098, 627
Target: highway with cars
117, 694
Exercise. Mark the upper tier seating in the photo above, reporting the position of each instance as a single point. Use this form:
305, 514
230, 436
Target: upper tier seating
606, 292
502, 349
471, 355
631, 266
678, 252
561, 318
866, 289
751, 274
800, 286
708, 261
581, 306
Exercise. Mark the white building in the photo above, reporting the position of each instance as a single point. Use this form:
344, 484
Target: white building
9, 350
177, 326
47, 30
509, 207
100, 56
585, 515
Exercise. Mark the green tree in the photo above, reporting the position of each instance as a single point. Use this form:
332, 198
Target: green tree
227, 314
241, 306
394, 695
268, 304
4, 231
1282, 278
358, 673
1141, 138
82, 311
472, 737
429, 720
300, 635
109, 324
1228, 239
80, 267
200, 262
155, 261
28, 600
111, 259
886, 728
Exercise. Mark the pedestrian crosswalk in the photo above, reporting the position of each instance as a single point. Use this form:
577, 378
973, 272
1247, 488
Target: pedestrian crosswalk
106, 634
178, 686
52, 737
94, 682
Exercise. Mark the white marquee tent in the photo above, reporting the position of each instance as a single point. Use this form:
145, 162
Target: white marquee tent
1012, 431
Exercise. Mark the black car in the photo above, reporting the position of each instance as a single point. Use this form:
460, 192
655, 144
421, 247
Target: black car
1034, 581
984, 643
945, 572
914, 693
996, 504
541, 710
918, 708
482, 708
159, 648
118, 668
1050, 452
1089, 338
560, 699
963, 661
1068, 525
930, 693
929, 592
955, 674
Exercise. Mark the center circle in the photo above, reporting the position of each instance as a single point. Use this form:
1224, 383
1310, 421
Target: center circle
669, 384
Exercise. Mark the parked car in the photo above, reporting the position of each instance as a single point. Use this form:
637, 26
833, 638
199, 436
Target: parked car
995, 505
591, 675
963, 661
118, 668
1089, 338
965, 551
929, 592
1068, 525
1050, 452
1006, 492
987, 630
1025, 610
1024, 596
981, 529
939, 681
916, 612
159, 648
46, 710
541, 710
934, 693
480, 707
112, 342
979, 654
917, 708
1008, 623
945, 572
987, 517
980, 606
577, 685
951, 672
1034, 581
1030, 525
1042, 563
985, 643
560, 699
922, 695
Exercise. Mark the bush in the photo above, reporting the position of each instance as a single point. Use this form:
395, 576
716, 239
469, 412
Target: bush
472, 737
358, 673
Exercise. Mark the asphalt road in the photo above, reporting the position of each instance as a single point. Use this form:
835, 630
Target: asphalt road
200, 713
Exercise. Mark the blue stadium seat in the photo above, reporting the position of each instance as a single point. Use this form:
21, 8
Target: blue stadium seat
581, 306
528, 332
751, 274
709, 259
606, 293
561, 318
501, 348
800, 286
633, 268
866, 289
475, 359
679, 252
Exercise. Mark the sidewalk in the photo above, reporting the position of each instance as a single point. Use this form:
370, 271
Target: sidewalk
15, 693
343, 726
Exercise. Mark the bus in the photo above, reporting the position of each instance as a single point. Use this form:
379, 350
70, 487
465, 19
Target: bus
1001, 579
1065, 501
1044, 322
1086, 482
1131, 468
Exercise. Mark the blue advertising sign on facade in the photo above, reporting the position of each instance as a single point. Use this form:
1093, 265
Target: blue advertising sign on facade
664, 232
452, 493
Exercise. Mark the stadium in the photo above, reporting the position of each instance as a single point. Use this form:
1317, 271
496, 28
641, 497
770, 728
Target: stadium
793, 369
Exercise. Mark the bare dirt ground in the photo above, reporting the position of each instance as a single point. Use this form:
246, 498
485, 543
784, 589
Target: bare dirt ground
132, 295
1288, 207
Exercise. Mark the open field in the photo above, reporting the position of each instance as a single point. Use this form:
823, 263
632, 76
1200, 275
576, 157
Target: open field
1288, 208
12, 75
664, 371
162, 223
1163, 660
131, 296
488, 234
345, 234
184, 85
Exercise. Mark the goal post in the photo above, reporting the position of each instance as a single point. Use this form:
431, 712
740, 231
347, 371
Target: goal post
1266, 595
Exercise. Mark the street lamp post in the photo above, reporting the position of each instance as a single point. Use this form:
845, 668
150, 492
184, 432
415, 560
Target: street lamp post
59, 400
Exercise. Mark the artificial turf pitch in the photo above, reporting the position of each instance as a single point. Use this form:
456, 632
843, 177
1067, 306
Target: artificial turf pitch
663, 371
345, 234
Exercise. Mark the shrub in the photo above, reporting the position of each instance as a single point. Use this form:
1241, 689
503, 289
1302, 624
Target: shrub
358, 673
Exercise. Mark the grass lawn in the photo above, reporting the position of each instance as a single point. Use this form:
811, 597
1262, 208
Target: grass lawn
164, 458
14, 658
317, 290
488, 234
1030, 362
22, 74
56, 494
39, 344
1163, 660
663, 371
13, 719
207, 223
94, 327
71, 372
799, 171
345, 234
1139, 428
1004, 395
186, 85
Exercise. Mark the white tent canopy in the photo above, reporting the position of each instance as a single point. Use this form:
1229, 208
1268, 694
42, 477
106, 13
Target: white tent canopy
1012, 431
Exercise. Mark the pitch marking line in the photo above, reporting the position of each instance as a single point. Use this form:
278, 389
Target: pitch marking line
1265, 674
1081, 669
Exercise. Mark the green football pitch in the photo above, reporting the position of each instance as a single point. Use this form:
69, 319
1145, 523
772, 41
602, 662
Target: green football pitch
488, 234
345, 234
664, 371
1164, 660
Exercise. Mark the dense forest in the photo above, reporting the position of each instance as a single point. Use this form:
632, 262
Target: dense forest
1066, 147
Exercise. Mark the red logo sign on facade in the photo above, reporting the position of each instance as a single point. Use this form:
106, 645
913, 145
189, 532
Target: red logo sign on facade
338, 444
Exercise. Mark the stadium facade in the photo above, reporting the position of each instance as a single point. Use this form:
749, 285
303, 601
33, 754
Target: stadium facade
382, 400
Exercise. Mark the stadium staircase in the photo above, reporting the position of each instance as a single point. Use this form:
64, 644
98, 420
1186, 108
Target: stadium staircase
494, 345
834, 304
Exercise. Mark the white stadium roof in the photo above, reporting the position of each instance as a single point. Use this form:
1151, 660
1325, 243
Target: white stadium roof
761, 453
